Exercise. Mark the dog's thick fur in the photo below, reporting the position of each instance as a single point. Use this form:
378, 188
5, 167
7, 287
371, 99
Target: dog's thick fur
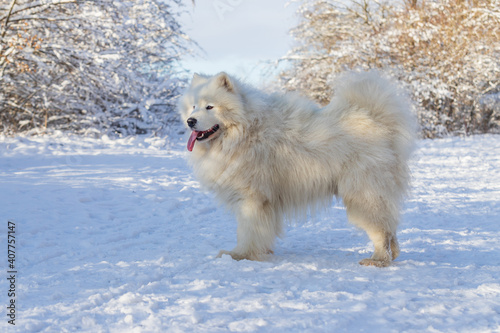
274, 156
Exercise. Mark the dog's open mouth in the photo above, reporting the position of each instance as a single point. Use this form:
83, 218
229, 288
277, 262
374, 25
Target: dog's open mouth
200, 136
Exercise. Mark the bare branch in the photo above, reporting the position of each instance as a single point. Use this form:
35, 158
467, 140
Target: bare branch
7, 17
43, 4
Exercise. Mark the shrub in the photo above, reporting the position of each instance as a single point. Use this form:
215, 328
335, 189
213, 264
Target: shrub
445, 52
89, 66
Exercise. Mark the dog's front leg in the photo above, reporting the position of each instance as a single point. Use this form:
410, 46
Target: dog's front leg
258, 227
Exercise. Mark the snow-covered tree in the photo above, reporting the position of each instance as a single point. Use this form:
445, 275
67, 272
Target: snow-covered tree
89, 66
446, 53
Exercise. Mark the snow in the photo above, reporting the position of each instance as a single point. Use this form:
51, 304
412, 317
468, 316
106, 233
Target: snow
118, 236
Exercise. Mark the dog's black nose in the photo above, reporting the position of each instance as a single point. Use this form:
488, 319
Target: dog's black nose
191, 122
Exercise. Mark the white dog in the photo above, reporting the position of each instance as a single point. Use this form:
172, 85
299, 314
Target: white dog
272, 156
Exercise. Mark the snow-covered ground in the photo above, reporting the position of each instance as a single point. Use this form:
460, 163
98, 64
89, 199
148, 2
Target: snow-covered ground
117, 236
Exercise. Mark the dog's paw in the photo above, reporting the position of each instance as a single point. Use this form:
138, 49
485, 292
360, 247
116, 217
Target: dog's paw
223, 252
234, 255
375, 262
243, 256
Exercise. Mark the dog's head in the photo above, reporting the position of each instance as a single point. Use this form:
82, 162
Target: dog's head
207, 105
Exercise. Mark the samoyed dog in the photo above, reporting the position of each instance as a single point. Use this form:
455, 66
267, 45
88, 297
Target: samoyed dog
272, 157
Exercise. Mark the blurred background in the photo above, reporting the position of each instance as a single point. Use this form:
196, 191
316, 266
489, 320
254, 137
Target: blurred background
117, 67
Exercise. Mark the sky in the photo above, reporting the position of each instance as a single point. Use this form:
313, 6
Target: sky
239, 36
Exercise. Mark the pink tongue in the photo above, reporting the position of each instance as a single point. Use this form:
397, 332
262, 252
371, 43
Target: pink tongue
192, 140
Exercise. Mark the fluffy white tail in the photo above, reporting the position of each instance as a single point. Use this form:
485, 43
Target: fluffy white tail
387, 105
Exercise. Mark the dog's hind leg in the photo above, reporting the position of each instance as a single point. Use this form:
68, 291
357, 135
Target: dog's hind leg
258, 227
382, 254
394, 247
380, 224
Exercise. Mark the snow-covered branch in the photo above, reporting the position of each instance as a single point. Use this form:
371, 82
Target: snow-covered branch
105, 65
445, 52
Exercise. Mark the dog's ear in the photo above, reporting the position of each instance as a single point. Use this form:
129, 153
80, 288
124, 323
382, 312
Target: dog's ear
198, 79
224, 81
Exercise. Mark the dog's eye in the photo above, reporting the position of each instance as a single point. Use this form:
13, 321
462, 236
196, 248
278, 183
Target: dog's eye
210, 107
